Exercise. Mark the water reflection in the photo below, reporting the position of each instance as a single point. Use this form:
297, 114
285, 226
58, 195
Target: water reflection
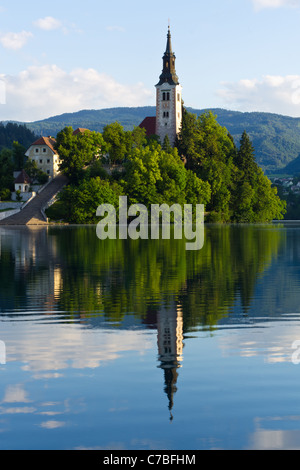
271, 433
70, 302
170, 347
69, 270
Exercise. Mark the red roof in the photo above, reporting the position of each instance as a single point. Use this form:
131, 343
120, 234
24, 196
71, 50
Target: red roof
22, 178
49, 141
149, 123
80, 130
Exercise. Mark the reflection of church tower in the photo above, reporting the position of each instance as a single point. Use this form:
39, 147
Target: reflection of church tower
170, 345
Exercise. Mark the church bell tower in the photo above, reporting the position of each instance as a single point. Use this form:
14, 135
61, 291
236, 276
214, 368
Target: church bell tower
168, 98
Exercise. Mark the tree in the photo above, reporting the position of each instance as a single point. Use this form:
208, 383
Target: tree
6, 169
245, 158
154, 176
77, 151
255, 200
119, 142
35, 173
166, 146
239, 189
142, 173
18, 155
18, 196
81, 201
188, 139
209, 150
139, 139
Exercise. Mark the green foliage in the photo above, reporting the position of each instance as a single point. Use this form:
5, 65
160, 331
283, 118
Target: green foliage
119, 142
81, 202
109, 276
96, 169
226, 179
255, 199
77, 151
18, 155
5, 194
12, 132
240, 191
154, 176
276, 138
6, 169
57, 211
18, 196
138, 137
35, 173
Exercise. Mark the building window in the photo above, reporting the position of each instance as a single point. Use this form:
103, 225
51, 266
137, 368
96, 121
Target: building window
41, 161
36, 150
178, 96
166, 114
48, 161
48, 172
166, 96
44, 150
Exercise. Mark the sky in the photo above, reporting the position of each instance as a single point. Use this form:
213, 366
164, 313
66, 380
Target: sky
65, 56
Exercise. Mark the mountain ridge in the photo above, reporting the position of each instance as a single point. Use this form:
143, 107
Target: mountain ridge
275, 137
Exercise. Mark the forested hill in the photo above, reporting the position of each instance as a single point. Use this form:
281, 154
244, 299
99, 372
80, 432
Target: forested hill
13, 132
276, 138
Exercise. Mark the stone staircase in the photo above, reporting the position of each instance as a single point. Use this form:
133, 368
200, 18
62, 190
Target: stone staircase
32, 214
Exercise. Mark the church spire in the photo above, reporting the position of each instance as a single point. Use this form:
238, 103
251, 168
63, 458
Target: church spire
168, 73
169, 44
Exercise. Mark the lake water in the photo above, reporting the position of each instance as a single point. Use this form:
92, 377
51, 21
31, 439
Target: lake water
141, 345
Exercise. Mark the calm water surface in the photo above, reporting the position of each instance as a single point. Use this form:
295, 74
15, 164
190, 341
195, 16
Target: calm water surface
143, 345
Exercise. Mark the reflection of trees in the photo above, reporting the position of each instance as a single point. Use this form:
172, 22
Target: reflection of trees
232, 259
26, 259
126, 276
116, 277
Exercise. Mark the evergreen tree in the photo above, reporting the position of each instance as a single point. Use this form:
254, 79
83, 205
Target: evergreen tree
254, 198
245, 158
18, 155
167, 145
6, 169
239, 189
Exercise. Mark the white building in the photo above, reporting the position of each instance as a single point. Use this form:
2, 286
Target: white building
168, 98
22, 182
42, 151
168, 119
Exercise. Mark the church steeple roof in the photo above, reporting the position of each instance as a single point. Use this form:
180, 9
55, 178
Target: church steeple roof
168, 74
169, 43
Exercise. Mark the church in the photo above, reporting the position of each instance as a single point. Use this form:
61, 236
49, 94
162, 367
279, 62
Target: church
167, 121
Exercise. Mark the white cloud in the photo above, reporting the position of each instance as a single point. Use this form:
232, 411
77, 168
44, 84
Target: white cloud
260, 4
276, 94
15, 41
30, 349
44, 91
48, 23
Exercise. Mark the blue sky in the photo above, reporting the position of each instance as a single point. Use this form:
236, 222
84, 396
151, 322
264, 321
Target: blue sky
63, 56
